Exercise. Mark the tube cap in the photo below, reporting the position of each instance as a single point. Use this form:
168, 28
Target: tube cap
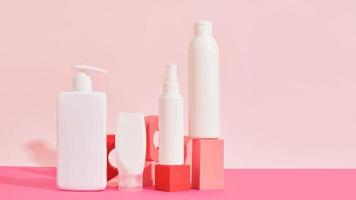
130, 182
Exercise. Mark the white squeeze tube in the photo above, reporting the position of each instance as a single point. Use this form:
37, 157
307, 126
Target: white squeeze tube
131, 150
171, 127
204, 83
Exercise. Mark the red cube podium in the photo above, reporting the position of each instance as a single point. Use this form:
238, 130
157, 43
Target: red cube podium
172, 178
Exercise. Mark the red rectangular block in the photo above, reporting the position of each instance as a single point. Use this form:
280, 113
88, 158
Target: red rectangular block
188, 147
172, 178
110, 145
208, 164
151, 123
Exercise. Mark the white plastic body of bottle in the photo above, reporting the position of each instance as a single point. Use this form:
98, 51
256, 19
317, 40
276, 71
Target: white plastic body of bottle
171, 121
131, 150
204, 83
81, 141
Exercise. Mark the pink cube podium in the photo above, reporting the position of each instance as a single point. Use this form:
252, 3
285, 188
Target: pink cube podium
208, 164
188, 149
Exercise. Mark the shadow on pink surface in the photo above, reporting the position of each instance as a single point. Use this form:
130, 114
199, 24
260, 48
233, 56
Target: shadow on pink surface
50, 171
42, 152
44, 183
40, 178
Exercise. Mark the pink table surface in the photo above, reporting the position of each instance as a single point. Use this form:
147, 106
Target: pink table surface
240, 184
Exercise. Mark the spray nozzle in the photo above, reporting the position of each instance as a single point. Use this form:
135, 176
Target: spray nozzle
170, 85
82, 81
171, 73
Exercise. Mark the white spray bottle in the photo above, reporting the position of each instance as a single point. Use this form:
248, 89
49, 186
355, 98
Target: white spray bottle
81, 141
171, 117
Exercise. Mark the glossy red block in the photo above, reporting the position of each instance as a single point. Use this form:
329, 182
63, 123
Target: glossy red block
111, 170
151, 127
172, 178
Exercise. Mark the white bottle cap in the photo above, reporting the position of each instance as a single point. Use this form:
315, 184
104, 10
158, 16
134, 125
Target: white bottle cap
82, 81
203, 28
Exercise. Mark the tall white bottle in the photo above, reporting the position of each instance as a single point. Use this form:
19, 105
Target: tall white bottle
204, 83
171, 126
81, 140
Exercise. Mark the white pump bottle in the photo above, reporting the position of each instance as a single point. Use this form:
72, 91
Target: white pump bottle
81, 139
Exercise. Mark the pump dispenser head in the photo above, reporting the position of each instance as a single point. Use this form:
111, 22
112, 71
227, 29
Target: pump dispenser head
82, 81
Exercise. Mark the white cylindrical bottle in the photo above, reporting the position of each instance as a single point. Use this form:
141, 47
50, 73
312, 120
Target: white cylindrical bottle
171, 126
204, 83
81, 139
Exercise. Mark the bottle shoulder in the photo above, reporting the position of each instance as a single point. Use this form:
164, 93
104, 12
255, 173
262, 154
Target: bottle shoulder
198, 43
76, 93
203, 40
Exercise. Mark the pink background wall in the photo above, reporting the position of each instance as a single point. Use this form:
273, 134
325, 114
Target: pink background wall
288, 72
